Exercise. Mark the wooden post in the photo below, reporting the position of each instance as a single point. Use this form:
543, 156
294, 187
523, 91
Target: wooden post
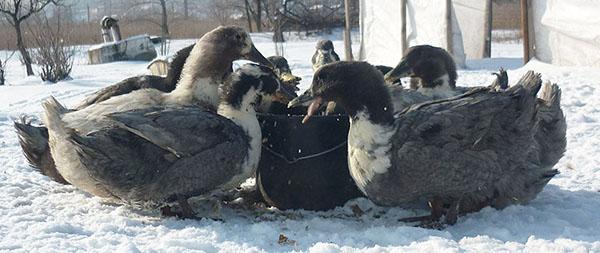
185, 10
525, 31
487, 34
403, 28
347, 34
449, 27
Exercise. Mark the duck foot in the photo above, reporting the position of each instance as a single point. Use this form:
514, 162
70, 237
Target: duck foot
208, 207
438, 211
186, 211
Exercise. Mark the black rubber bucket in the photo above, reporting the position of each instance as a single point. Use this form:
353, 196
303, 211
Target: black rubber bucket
305, 166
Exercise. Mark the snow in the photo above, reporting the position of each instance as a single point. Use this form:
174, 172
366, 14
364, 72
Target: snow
37, 214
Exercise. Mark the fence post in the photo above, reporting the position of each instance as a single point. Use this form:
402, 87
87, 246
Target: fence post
347, 33
403, 28
487, 35
449, 27
525, 31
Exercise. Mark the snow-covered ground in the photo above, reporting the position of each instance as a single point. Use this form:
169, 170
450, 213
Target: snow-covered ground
37, 214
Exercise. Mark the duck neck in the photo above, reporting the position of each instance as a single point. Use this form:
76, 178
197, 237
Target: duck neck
243, 114
369, 147
201, 76
374, 102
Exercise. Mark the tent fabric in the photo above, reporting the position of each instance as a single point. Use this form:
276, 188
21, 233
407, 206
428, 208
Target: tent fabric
380, 26
380, 29
470, 15
566, 32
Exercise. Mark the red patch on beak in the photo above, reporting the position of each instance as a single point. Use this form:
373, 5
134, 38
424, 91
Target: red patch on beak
312, 109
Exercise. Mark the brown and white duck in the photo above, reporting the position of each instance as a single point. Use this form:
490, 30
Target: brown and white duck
159, 148
34, 139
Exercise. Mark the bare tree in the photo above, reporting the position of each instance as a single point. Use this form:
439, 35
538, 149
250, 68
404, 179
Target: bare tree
164, 26
247, 9
3, 63
17, 11
258, 15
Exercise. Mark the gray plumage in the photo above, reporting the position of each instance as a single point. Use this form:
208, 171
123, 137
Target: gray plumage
156, 155
152, 155
34, 142
33, 139
483, 148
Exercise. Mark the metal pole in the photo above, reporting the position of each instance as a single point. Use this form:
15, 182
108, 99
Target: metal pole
525, 30
347, 39
449, 26
487, 37
403, 28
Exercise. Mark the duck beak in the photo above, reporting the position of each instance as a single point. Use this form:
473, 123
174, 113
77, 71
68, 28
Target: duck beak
287, 92
400, 71
255, 56
287, 77
306, 99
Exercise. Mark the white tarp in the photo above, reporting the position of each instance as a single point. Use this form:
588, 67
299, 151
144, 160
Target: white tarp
471, 20
566, 32
380, 30
381, 24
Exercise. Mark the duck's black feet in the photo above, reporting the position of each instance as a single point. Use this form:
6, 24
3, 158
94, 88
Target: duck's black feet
441, 215
501, 82
186, 211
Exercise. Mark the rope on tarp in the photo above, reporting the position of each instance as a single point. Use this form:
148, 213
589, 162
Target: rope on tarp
295, 160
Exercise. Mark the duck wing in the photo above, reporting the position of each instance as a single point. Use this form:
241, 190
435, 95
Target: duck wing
124, 87
478, 146
159, 154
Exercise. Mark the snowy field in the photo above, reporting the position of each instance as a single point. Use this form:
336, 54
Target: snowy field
39, 215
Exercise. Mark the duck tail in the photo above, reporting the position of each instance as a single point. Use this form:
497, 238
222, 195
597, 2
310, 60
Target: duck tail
552, 126
34, 143
53, 112
526, 90
550, 136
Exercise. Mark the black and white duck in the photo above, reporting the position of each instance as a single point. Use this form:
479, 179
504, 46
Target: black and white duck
161, 147
34, 139
432, 72
324, 54
483, 148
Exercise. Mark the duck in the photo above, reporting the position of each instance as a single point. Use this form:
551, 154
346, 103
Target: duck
432, 72
482, 148
324, 54
162, 147
33, 139
283, 71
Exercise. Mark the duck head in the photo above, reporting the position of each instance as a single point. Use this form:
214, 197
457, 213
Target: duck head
429, 64
249, 87
224, 45
325, 46
325, 54
289, 82
355, 86
210, 62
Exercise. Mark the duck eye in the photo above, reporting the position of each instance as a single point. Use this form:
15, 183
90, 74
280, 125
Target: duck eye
238, 37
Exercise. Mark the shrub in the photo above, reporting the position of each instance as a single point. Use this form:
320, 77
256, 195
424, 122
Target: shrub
51, 52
